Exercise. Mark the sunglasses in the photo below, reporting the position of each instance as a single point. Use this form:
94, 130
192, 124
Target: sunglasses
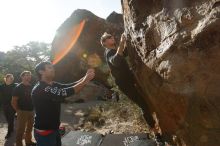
109, 37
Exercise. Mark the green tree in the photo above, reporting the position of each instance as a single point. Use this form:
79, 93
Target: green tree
2, 57
24, 57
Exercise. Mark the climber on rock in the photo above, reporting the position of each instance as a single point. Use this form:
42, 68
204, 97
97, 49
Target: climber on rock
122, 73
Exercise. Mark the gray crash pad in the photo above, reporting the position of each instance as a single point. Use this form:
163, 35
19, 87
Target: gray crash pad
147, 142
122, 139
78, 138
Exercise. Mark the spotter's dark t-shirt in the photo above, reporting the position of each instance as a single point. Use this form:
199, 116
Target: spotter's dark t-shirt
47, 103
23, 92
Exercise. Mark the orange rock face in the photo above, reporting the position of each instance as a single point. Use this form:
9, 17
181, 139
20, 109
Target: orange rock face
81, 45
174, 50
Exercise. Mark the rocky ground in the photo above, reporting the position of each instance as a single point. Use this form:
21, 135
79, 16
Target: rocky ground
105, 117
95, 116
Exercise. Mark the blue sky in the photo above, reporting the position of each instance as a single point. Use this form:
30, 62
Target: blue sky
37, 20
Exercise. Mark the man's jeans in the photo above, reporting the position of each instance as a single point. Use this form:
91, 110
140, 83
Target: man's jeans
52, 139
9, 113
25, 121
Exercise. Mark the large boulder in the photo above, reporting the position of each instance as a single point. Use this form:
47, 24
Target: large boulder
174, 51
87, 51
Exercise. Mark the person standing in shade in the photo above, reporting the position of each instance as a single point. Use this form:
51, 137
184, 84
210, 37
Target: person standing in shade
47, 96
22, 103
6, 90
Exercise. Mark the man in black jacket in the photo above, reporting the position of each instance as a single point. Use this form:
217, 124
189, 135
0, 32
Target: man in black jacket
6, 90
122, 74
47, 96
